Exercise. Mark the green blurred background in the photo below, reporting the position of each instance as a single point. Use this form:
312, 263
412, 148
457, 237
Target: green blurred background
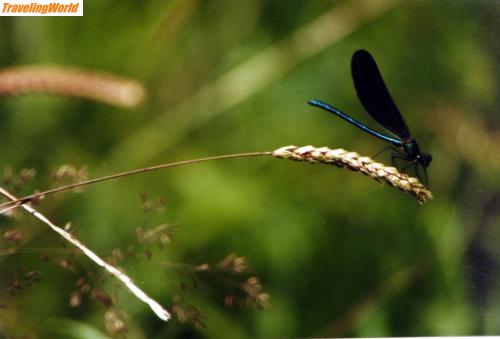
338, 254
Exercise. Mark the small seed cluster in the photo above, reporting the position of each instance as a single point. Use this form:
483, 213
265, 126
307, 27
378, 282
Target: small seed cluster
355, 162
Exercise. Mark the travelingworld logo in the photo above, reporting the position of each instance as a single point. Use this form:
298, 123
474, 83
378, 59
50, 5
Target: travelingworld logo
41, 8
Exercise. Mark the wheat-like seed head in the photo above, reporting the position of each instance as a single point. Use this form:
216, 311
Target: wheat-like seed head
353, 161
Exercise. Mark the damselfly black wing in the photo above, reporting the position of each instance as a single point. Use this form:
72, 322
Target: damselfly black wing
374, 95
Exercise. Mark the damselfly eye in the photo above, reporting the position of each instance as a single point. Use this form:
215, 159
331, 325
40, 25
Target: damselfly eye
425, 159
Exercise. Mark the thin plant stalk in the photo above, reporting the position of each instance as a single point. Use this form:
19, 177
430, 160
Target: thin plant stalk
8, 206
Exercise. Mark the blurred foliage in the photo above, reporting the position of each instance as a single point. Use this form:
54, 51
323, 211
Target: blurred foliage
337, 254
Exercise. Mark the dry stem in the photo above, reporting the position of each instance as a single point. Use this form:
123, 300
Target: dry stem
157, 308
